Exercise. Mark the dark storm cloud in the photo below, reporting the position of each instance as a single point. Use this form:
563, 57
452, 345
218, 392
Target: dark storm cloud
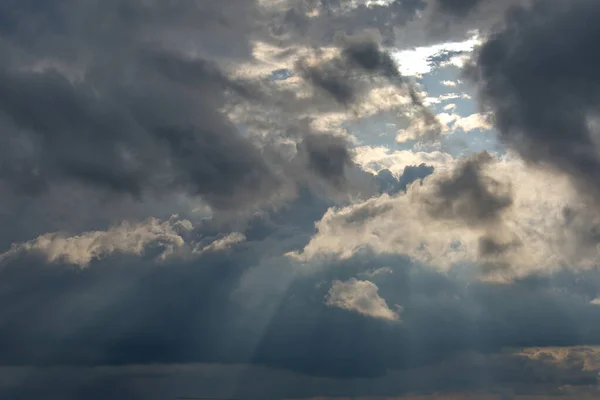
125, 143
122, 105
469, 195
540, 79
138, 124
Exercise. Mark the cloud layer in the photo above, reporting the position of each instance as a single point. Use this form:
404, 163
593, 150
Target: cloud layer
299, 199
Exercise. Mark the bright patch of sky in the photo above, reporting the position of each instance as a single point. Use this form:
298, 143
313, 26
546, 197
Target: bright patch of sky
416, 62
437, 72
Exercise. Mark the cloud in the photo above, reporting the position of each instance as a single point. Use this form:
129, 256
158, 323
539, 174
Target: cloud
251, 306
469, 195
375, 159
327, 156
391, 185
363, 56
472, 122
449, 83
424, 59
317, 23
223, 243
293, 249
544, 94
149, 127
467, 214
138, 125
458, 7
361, 297
450, 107
125, 238
449, 123
377, 272
514, 376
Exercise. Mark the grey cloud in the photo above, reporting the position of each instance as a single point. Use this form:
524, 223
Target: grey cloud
130, 117
341, 16
539, 78
126, 144
469, 195
413, 173
455, 20
491, 247
458, 7
366, 212
111, 108
331, 80
327, 156
515, 377
183, 312
138, 125
344, 77
389, 184
369, 57
361, 61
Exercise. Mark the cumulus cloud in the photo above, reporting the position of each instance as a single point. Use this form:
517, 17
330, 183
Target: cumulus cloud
485, 211
125, 238
361, 297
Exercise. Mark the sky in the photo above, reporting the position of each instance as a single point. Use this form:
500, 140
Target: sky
299, 199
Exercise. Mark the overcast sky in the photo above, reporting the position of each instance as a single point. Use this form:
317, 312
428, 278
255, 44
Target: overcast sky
299, 199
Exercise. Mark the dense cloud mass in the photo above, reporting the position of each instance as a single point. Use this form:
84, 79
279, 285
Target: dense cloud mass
544, 89
299, 199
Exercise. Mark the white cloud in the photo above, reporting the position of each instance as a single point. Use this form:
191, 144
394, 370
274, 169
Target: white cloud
450, 107
375, 159
402, 225
472, 122
449, 83
445, 97
125, 238
223, 243
449, 123
361, 297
